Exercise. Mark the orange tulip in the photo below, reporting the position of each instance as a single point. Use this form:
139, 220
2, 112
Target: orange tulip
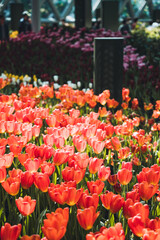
112, 103
112, 201
115, 232
134, 195
150, 235
48, 167
87, 200
136, 225
82, 160
73, 195
60, 157
150, 175
116, 143
135, 104
35, 130
15, 173
22, 157
55, 225
98, 146
10, 126
32, 165
109, 128
123, 153
102, 112
95, 164
16, 149
58, 193
139, 208
3, 174
95, 187
129, 202
8, 159
80, 143
125, 94
73, 174
104, 173
9, 232
154, 224
11, 185
26, 205
41, 181
146, 190
51, 120
87, 217
124, 176
2, 126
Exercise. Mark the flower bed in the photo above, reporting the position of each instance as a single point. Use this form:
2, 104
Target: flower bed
70, 56
68, 171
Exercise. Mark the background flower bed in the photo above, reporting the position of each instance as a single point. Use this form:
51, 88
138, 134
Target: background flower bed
69, 54
102, 169
146, 41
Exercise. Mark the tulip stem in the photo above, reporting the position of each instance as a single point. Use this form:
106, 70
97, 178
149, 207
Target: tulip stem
27, 224
111, 219
49, 202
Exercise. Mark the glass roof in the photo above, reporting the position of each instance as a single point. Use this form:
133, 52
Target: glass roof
65, 8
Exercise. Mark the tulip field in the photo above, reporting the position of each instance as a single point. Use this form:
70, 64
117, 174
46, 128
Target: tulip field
76, 166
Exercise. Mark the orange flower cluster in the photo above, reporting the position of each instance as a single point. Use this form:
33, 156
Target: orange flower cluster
59, 157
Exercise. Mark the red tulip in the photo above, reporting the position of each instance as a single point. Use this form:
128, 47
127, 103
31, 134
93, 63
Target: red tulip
41, 181
27, 179
26, 205
9, 232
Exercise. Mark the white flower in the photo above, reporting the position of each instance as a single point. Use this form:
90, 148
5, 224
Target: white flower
3, 76
69, 83
78, 84
56, 86
39, 81
55, 77
74, 85
35, 84
90, 85
45, 83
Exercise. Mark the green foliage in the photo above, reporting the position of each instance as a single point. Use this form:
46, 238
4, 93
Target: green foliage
147, 43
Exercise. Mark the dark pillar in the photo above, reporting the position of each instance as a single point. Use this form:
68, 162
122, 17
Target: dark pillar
36, 16
83, 13
156, 15
108, 66
110, 15
16, 10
